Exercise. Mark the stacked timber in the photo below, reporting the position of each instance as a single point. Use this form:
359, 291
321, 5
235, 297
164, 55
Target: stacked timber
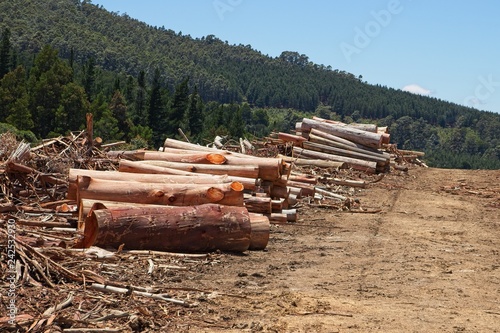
355, 146
185, 198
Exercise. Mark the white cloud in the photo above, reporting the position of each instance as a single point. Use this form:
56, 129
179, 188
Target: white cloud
416, 89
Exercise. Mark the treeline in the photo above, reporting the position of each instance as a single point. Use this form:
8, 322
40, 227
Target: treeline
154, 69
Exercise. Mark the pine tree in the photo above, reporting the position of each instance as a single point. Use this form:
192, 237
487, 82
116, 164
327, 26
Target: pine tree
157, 110
89, 78
179, 106
140, 111
14, 100
194, 114
5, 53
46, 83
118, 107
70, 115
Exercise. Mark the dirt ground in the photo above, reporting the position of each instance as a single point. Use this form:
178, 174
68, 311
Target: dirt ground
428, 262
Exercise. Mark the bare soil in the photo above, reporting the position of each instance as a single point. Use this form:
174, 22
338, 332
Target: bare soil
428, 262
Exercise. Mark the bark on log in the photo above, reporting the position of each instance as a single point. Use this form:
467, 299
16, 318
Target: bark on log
307, 190
269, 168
313, 162
143, 178
260, 205
365, 127
357, 164
381, 161
247, 171
295, 139
332, 140
202, 228
192, 157
161, 194
260, 229
139, 167
277, 217
369, 139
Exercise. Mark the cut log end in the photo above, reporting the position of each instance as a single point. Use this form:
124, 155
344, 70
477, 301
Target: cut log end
216, 159
237, 186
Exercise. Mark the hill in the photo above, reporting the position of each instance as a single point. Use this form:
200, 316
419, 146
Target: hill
161, 74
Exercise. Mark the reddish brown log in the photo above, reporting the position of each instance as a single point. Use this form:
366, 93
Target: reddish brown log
192, 178
247, 171
295, 139
269, 168
202, 228
259, 236
192, 157
312, 162
161, 194
259, 205
308, 179
307, 190
278, 218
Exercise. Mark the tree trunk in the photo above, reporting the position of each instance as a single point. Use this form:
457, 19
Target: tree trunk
259, 236
193, 178
181, 157
381, 161
162, 194
295, 139
259, 205
203, 228
247, 171
313, 162
369, 139
357, 164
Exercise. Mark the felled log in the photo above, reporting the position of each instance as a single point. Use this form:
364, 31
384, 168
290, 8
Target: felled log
192, 178
260, 229
369, 139
128, 167
380, 160
357, 164
269, 168
335, 141
345, 182
192, 157
312, 162
247, 171
365, 127
291, 214
259, 205
230, 194
295, 139
202, 228
307, 190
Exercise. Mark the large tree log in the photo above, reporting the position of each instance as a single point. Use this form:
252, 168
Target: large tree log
182, 157
317, 136
269, 168
380, 160
192, 178
259, 236
202, 228
313, 162
369, 139
247, 171
259, 205
357, 164
295, 139
162, 194
365, 127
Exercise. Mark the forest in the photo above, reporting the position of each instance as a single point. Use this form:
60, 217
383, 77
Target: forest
61, 59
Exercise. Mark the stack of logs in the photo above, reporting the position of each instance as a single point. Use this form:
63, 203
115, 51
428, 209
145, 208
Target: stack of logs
356, 146
185, 198
188, 197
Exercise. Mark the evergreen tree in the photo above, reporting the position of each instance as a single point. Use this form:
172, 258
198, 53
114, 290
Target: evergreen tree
157, 110
194, 115
73, 107
14, 100
89, 77
179, 106
5, 53
140, 111
48, 76
118, 107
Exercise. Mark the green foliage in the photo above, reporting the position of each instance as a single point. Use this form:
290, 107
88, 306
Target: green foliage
135, 75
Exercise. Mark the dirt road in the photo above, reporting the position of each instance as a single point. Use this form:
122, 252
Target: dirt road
429, 262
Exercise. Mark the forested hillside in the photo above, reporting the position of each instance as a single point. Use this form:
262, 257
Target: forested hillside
60, 59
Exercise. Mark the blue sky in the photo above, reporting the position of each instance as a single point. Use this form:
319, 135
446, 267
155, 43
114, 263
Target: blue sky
445, 49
